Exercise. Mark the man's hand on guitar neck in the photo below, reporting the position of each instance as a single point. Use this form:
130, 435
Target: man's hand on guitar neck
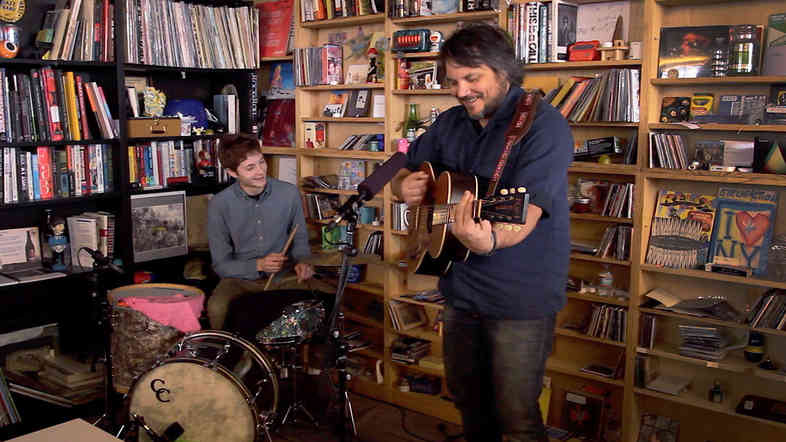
477, 236
410, 186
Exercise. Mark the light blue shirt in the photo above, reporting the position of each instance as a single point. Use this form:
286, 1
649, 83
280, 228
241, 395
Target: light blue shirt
242, 228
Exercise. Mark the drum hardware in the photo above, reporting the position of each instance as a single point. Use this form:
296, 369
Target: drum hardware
103, 315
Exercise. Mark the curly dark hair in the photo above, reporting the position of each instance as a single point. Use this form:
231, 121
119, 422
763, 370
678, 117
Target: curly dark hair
234, 148
483, 44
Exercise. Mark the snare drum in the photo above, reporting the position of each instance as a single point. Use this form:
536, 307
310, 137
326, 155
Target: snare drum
216, 385
137, 339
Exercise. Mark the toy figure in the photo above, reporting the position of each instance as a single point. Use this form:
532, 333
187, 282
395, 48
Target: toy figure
58, 243
371, 77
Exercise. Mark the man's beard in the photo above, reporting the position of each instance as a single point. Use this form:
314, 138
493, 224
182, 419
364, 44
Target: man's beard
490, 106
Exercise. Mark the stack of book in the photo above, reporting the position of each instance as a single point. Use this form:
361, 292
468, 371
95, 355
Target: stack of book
619, 201
329, 9
406, 316
318, 65
321, 181
361, 142
373, 244
705, 343
320, 206
769, 311
409, 350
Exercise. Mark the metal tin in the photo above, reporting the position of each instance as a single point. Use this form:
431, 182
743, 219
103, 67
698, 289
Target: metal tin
12, 33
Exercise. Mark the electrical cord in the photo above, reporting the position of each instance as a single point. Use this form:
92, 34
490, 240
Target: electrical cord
404, 427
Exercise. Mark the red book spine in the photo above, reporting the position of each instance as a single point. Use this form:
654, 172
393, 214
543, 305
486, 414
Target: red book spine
82, 108
50, 92
45, 177
87, 181
106, 29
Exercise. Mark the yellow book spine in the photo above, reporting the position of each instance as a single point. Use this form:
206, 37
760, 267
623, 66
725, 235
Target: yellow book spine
131, 165
70, 91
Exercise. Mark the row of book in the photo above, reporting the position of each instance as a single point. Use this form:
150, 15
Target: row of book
612, 95
619, 201
52, 105
615, 243
608, 322
400, 219
406, 316
354, 103
8, 411
319, 206
374, 244
160, 164
531, 26
418, 8
169, 33
48, 172
769, 311
82, 32
647, 331
668, 151
318, 65
94, 230
312, 10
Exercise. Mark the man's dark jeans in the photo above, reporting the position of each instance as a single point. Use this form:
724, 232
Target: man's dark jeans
494, 369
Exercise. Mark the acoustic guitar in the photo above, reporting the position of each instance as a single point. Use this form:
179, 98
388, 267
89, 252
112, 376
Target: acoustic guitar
432, 248
12, 11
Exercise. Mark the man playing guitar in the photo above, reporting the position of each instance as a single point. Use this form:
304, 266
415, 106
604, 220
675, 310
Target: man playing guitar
502, 301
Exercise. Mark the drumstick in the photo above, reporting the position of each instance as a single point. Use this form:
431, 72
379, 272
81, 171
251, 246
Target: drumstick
283, 252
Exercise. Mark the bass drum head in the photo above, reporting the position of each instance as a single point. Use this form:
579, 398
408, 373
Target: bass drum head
206, 402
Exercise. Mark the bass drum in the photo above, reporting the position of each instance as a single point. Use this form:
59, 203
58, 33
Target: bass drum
216, 385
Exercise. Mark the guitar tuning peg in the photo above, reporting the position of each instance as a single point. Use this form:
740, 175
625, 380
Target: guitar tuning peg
512, 190
522, 189
503, 192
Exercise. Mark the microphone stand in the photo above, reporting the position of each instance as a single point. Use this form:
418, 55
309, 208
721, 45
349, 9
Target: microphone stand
103, 314
350, 215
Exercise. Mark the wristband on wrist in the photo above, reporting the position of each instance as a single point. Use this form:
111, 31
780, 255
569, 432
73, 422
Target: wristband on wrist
493, 244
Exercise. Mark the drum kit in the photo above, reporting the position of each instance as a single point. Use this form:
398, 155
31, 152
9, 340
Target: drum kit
211, 384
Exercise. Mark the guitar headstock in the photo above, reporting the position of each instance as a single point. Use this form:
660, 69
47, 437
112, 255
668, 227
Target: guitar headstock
509, 207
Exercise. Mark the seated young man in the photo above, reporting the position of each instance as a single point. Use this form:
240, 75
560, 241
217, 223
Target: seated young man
248, 225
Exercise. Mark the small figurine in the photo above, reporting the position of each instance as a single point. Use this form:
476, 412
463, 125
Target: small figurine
58, 243
371, 77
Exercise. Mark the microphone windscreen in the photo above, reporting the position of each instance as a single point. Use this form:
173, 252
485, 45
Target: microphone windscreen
384, 173
173, 432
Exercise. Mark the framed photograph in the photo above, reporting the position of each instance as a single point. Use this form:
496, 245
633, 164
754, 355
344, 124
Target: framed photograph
159, 225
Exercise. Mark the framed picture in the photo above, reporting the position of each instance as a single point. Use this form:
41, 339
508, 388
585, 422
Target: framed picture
159, 225
687, 52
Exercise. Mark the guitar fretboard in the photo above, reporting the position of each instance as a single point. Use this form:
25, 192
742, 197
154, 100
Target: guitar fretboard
446, 213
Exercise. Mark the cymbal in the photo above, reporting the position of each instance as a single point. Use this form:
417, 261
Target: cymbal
333, 259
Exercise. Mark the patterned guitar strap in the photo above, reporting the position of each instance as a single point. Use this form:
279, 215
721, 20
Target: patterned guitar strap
519, 126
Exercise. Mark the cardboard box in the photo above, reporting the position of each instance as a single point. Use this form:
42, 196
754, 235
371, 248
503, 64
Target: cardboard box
154, 127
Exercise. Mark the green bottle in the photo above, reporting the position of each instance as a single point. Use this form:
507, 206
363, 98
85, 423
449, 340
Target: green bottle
412, 121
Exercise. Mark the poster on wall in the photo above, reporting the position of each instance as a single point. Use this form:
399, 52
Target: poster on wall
159, 225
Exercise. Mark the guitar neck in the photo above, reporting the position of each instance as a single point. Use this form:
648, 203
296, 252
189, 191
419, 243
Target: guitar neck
446, 213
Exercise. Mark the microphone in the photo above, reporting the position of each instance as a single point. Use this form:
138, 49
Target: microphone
101, 259
372, 185
172, 432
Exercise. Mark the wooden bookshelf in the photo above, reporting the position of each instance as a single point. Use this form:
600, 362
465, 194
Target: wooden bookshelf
595, 298
610, 124
343, 22
592, 258
718, 81
335, 153
717, 127
600, 219
345, 120
576, 335
572, 368
714, 276
422, 92
583, 65
446, 18
760, 179
341, 87
607, 169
